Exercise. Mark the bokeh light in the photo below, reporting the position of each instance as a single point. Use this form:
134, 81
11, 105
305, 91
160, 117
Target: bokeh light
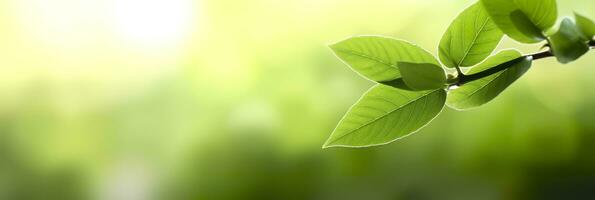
232, 99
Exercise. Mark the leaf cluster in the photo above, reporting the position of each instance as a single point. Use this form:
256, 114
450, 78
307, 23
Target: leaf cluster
413, 86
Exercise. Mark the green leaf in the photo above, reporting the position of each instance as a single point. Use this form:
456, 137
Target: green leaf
586, 25
385, 114
397, 83
376, 57
422, 76
471, 38
479, 92
568, 44
525, 25
523, 20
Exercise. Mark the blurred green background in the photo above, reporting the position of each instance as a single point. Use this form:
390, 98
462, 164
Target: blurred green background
232, 99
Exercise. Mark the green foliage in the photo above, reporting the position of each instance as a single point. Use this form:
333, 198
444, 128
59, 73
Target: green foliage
586, 25
523, 20
413, 87
377, 58
569, 43
385, 114
524, 25
479, 92
422, 76
471, 38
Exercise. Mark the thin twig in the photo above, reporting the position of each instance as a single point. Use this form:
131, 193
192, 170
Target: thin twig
463, 79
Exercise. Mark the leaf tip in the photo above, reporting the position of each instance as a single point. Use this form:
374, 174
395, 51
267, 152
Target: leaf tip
335, 45
332, 46
577, 13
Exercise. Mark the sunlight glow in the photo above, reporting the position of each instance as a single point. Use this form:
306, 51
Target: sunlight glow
154, 22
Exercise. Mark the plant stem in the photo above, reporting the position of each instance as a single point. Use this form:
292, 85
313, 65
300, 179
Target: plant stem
462, 78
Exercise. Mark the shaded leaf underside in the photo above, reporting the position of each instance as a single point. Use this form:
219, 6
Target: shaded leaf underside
479, 92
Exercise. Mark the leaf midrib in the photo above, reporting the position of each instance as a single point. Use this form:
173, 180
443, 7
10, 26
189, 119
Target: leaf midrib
363, 55
378, 118
473, 41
